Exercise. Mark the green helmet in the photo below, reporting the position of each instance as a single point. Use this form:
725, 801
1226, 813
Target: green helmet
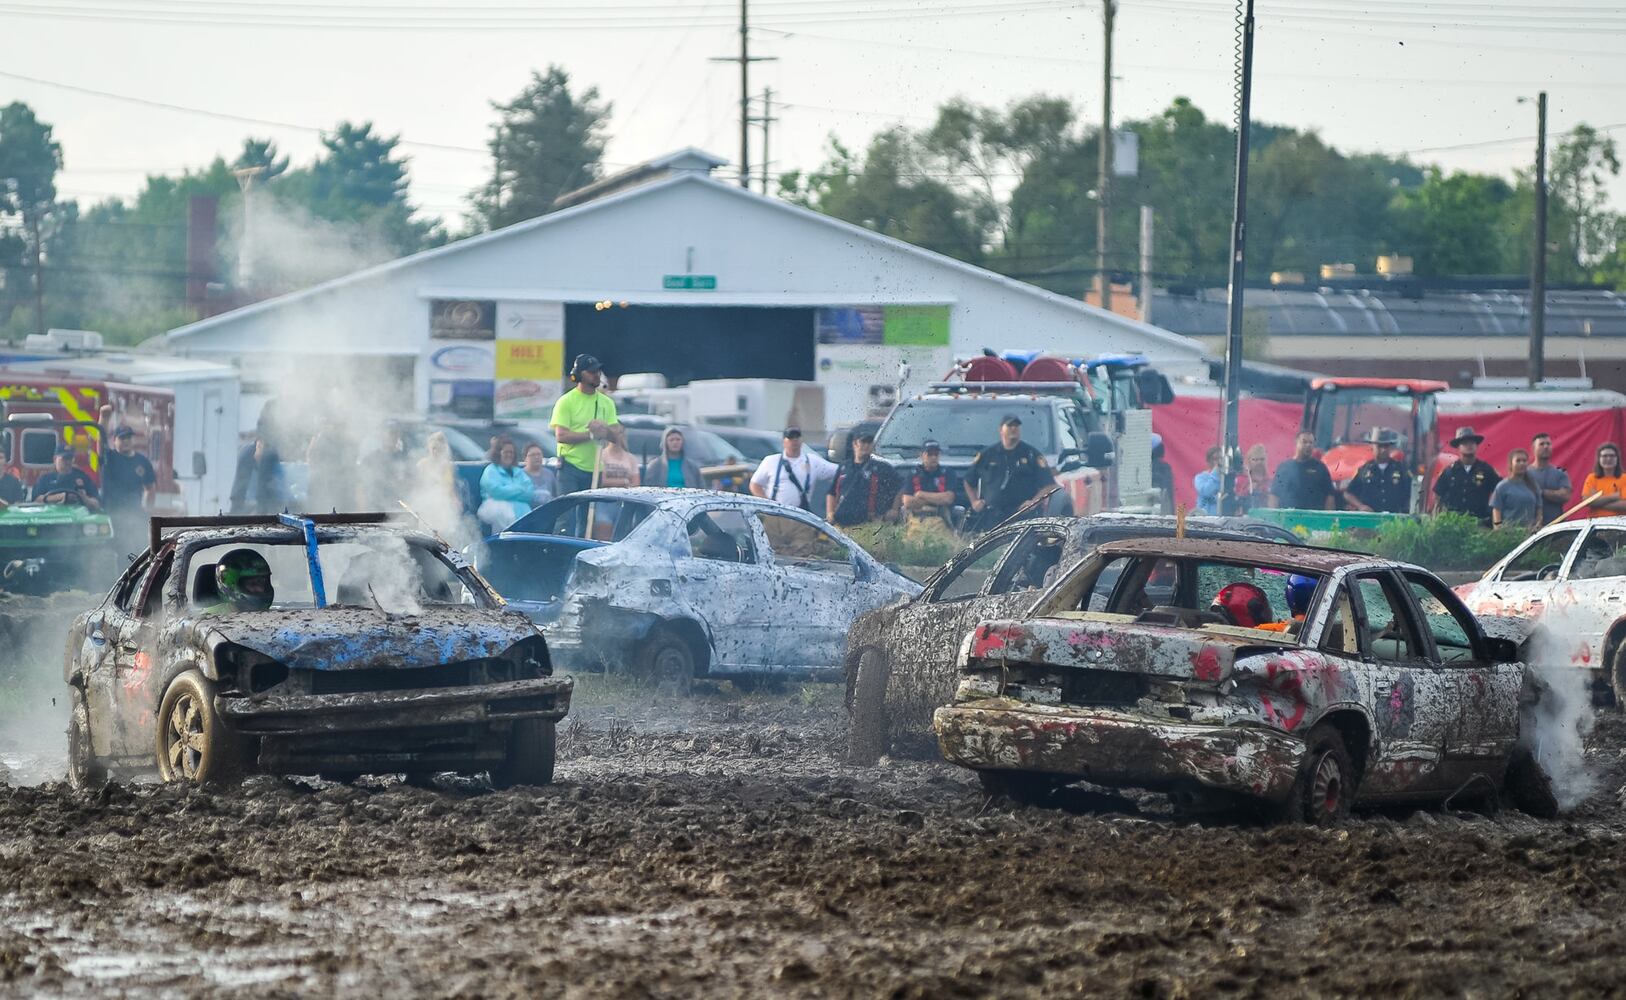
243, 578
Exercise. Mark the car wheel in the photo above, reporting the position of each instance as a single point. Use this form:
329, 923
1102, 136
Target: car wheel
666, 661
1527, 786
1617, 677
193, 744
868, 723
85, 772
531, 747
1020, 787
1325, 788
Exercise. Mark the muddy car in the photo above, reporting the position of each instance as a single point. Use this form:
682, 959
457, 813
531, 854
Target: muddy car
1570, 577
671, 584
1305, 680
336, 645
899, 660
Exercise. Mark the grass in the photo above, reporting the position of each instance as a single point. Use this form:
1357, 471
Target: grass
1441, 542
921, 542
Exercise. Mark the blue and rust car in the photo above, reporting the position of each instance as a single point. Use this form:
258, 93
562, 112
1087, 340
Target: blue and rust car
382, 651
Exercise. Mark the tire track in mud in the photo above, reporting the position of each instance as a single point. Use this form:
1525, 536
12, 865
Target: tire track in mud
726, 851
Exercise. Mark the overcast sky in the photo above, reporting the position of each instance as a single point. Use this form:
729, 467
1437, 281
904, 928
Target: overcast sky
1379, 75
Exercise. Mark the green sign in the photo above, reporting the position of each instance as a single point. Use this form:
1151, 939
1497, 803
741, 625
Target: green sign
916, 326
690, 282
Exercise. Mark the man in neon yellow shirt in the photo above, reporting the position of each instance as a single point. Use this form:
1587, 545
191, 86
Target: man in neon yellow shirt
582, 418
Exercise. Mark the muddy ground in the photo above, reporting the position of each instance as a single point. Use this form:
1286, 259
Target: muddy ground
721, 848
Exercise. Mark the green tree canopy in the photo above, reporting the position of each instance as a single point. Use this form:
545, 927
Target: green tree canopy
546, 142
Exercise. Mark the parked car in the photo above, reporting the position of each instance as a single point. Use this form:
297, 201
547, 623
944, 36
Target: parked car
646, 436
752, 445
1181, 666
899, 662
370, 648
524, 433
1571, 577
675, 584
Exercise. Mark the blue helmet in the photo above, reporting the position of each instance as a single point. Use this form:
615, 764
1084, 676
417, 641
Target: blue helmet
1299, 591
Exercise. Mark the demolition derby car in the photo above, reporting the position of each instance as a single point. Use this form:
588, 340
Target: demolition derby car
673, 584
900, 658
1305, 679
336, 645
1570, 578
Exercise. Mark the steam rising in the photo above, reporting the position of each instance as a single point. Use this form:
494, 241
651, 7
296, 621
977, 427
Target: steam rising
1563, 714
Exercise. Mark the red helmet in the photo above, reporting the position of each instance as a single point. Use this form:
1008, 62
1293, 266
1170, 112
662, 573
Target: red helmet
1243, 604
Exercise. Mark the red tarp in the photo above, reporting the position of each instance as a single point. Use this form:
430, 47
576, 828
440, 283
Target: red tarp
1191, 425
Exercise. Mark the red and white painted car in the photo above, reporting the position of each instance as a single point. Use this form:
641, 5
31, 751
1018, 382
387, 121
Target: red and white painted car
1127, 672
1571, 578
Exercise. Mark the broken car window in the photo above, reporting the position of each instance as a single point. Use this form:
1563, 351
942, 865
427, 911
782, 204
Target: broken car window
1603, 554
386, 571
1546, 553
967, 580
1101, 591
1342, 636
723, 535
1452, 637
799, 543
1385, 631
1034, 566
613, 520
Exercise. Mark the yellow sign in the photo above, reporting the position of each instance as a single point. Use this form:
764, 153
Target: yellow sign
541, 360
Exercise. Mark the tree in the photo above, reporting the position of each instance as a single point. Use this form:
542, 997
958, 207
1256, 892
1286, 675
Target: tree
889, 191
1456, 224
29, 161
990, 148
1581, 226
261, 155
546, 143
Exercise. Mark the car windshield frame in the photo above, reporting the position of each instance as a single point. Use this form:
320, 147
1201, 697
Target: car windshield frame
910, 425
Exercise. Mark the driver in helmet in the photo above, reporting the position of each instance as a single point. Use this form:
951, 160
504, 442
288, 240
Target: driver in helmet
1299, 591
1242, 604
243, 580
64, 480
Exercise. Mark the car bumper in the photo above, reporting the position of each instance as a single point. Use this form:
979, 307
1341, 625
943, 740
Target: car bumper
296, 714
1118, 749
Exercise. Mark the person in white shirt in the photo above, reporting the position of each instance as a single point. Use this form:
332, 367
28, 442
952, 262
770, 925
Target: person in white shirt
794, 476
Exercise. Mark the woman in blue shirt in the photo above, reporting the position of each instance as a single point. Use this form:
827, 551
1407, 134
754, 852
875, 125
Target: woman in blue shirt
505, 489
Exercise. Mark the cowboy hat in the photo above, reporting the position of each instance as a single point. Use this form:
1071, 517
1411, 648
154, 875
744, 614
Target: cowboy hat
1466, 434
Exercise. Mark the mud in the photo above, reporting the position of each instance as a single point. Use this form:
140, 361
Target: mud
723, 848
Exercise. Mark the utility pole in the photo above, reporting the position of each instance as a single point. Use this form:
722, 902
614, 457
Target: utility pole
1538, 270
246, 176
1146, 263
1103, 182
766, 121
1239, 235
745, 59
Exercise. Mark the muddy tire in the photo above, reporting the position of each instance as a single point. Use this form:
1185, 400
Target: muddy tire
1020, 787
665, 661
85, 772
1326, 784
531, 748
869, 723
1527, 787
192, 743
1616, 694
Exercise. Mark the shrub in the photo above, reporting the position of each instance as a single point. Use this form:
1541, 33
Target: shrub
921, 542
1441, 542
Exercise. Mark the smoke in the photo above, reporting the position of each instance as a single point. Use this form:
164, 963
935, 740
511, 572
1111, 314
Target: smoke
34, 705
1562, 715
281, 247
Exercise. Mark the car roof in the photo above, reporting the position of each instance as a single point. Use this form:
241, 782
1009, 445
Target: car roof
1316, 560
678, 500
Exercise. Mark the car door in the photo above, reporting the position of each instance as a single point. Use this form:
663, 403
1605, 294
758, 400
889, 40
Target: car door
1585, 604
137, 675
818, 574
1408, 696
1482, 725
723, 580
1524, 582
927, 632
98, 655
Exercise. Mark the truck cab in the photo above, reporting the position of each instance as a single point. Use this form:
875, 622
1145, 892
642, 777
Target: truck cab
1077, 414
1343, 412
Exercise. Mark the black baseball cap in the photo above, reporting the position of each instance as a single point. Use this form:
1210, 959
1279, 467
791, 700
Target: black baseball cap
793, 432
124, 432
931, 446
65, 450
1011, 419
865, 435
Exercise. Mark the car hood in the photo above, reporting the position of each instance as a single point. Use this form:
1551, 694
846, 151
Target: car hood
348, 638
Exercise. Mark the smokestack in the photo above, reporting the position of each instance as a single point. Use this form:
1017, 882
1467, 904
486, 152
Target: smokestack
201, 230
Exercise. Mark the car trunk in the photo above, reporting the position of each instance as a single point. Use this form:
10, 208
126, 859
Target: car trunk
531, 571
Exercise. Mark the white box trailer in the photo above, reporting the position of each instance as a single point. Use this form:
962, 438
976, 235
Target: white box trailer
206, 405
758, 403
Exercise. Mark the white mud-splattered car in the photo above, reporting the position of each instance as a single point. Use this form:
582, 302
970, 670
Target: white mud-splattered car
1181, 666
673, 584
1571, 578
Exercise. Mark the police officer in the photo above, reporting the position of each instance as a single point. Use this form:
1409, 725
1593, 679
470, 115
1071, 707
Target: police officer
931, 490
1465, 486
1005, 476
64, 480
1382, 484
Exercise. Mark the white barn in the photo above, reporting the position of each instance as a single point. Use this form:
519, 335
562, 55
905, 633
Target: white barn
660, 269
